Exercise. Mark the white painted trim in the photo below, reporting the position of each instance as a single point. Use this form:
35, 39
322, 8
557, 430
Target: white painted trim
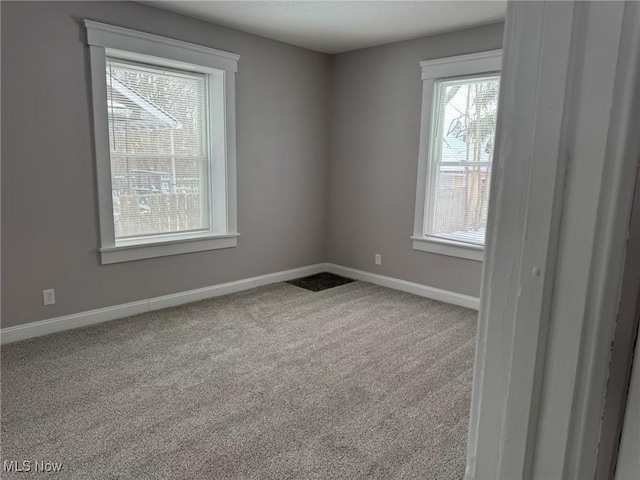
427, 118
68, 322
405, 286
507, 366
175, 299
555, 240
608, 150
230, 150
220, 67
626, 332
461, 64
83, 319
91, 317
101, 142
136, 242
128, 253
449, 248
118, 38
540, 237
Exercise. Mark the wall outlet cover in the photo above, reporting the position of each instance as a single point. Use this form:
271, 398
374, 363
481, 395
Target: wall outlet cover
49, 296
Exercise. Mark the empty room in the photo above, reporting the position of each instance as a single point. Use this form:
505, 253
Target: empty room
319, 240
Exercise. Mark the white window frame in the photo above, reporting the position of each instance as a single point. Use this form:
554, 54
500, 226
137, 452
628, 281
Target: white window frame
220, 67
482, 63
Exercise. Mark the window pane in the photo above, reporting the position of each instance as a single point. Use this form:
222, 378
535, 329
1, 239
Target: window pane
159, 151
461, 156
461, 203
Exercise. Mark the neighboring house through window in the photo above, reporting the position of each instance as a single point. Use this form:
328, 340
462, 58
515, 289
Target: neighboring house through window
164, 117
457, 137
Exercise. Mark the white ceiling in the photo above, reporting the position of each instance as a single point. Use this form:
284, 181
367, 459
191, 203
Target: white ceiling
340, 26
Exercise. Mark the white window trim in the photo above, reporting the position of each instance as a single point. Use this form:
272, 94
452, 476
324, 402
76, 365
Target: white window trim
432, 70
451, 248
108, 40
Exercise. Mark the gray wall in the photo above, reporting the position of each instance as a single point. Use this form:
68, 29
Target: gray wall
49, 206
327, 159
375, 121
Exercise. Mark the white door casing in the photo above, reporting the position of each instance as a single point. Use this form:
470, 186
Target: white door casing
556, 238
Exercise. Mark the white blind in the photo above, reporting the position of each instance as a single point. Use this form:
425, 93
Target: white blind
159, 149
461, 155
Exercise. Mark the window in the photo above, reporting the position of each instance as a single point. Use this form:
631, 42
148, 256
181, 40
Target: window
460, 103
164, 115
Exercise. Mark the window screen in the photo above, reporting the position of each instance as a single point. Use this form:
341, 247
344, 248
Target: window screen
159, 150
461, 154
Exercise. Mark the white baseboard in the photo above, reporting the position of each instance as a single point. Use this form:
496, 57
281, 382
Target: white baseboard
405, 286
76, 320
231, 287
83, 319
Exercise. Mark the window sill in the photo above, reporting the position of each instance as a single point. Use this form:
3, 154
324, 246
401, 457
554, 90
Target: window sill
158, 248
449, 248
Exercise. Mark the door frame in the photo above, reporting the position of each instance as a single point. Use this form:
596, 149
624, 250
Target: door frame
559, 213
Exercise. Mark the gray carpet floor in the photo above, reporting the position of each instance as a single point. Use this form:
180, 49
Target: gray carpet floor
278, 382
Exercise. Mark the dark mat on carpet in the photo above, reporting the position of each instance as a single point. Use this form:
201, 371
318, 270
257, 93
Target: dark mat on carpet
320, 281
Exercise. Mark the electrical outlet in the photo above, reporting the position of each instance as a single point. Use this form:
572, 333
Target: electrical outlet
49, 296
378, 259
